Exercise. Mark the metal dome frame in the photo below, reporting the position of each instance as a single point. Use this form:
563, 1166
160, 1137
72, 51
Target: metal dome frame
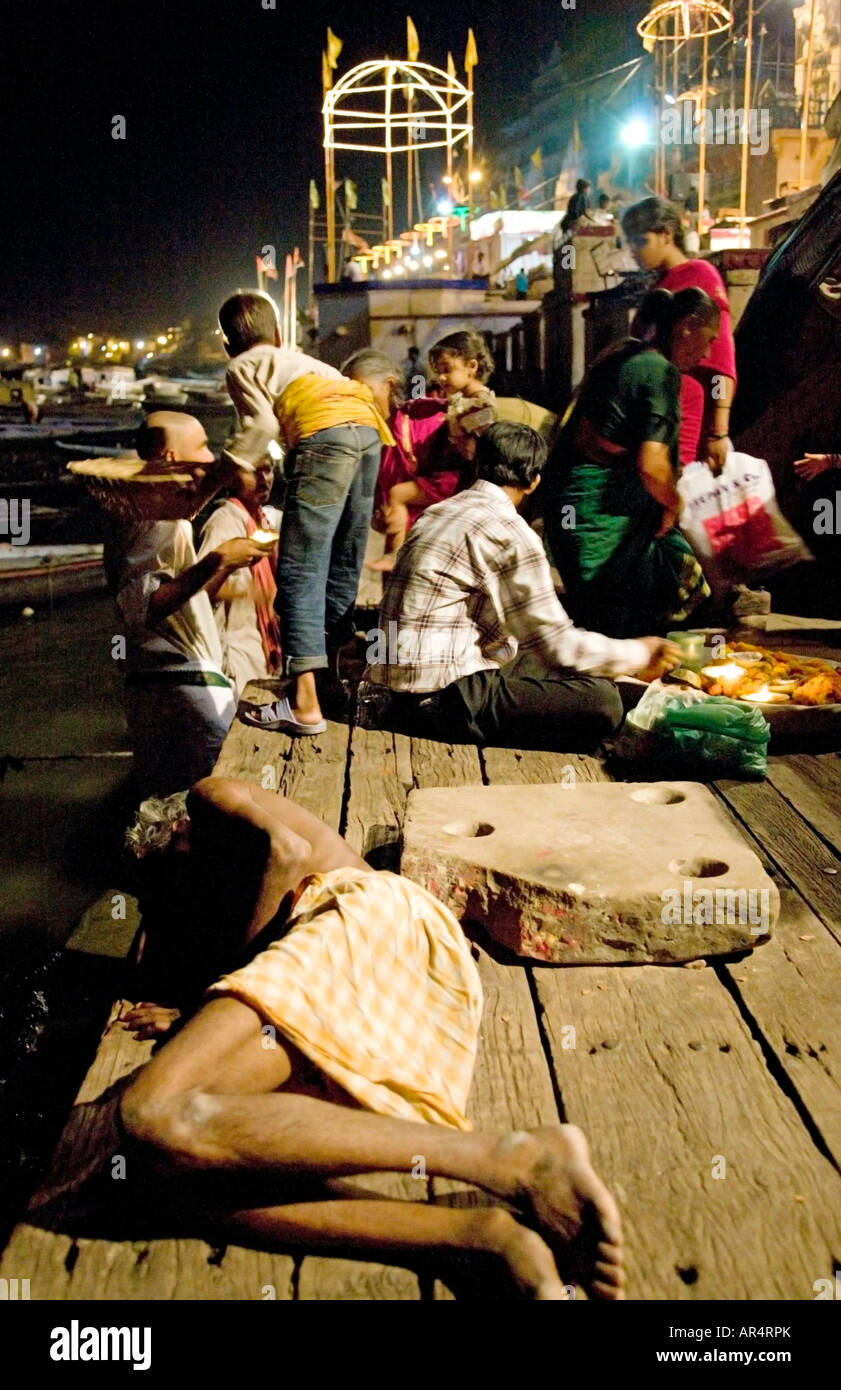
689, 19
435, 104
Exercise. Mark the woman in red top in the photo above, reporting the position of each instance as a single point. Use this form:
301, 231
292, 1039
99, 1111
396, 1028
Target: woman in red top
655, 236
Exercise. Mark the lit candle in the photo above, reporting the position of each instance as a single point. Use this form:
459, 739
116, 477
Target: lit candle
728, 674
764, 696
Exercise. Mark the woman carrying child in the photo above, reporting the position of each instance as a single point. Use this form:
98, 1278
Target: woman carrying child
434, 439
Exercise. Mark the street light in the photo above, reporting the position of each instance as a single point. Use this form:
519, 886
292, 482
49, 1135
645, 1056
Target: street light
635, 133
475, 175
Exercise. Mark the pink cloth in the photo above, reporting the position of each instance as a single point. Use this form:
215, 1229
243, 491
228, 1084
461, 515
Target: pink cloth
414, 424
720, 359
265, 591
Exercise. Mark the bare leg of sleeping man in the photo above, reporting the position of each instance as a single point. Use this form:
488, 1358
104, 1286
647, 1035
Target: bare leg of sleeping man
243, 1122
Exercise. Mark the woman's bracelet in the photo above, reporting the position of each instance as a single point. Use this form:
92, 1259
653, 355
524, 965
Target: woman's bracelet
833, 460
719, 436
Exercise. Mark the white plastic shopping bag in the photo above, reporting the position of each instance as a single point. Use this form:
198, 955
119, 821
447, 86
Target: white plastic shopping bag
734, 524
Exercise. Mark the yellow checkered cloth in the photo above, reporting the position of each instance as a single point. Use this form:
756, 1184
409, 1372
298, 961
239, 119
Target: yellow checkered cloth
374, 982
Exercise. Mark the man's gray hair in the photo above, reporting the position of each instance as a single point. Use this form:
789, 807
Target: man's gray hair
155, 823
370, 362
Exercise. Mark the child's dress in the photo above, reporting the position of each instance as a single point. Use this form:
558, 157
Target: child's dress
421, 455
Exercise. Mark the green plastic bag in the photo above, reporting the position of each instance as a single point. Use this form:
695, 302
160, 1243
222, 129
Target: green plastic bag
696, 734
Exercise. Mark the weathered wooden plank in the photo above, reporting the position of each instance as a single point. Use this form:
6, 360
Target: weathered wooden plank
373, 817
790, 989
444, 764
812, 784
377, 797
664, 1077
512, 1085
47, 1247
310, 770
509, 766
790, 843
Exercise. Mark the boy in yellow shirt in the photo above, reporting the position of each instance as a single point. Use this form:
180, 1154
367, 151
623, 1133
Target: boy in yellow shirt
334, 435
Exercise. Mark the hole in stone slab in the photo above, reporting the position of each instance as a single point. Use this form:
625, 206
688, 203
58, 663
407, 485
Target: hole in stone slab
468, 829
698, 868
658, 796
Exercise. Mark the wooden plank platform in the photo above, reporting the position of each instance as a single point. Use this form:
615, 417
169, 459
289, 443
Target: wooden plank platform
711, 1097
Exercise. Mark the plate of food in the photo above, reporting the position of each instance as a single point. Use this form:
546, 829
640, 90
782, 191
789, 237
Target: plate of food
781, 683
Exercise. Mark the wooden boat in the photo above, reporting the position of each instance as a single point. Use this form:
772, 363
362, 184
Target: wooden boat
33, 574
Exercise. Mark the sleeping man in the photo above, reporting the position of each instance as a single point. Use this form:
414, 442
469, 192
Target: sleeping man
342, 1043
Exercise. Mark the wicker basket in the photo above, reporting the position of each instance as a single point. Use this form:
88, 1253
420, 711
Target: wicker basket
133, 490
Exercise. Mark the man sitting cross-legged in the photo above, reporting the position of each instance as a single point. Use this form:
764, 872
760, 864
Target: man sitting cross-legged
473, 643
345, 1045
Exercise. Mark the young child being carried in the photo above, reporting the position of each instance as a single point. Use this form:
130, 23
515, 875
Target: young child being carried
463, 365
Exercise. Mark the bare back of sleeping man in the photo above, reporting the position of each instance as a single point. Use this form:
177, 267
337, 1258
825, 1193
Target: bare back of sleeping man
221, 888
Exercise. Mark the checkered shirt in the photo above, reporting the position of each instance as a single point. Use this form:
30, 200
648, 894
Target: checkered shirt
470, 591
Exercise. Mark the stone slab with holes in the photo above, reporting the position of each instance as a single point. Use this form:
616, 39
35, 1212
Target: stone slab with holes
592, 872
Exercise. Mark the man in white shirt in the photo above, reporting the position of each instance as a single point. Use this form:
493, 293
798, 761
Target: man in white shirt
473, 642
179, 705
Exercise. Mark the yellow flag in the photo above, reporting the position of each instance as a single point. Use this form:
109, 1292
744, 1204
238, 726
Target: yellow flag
386, 191
412, 41
351, 201
334, 48
315, 201
451, 67
326, 75
576, 137
649, 43
518, 176
503, 196
494, 198
471, 57
537, 159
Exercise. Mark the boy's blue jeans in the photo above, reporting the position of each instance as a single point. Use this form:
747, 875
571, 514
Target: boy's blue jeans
330, 480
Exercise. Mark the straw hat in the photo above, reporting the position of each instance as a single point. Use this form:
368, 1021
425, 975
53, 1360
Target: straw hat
134, 489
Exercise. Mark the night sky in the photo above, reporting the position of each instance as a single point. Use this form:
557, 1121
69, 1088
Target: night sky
222, 104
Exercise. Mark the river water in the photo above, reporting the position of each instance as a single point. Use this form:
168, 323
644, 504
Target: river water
65, 798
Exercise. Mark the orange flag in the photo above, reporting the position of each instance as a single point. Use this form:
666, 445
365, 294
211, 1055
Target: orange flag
412, 41
471, 57
334, 48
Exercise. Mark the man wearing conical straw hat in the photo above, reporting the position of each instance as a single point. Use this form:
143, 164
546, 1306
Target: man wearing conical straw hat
179, 705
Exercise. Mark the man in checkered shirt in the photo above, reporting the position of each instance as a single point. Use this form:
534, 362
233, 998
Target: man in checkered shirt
473, 642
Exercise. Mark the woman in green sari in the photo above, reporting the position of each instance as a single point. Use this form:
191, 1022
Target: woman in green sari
609, 492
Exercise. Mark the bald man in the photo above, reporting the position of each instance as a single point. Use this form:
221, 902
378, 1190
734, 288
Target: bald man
179, 705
